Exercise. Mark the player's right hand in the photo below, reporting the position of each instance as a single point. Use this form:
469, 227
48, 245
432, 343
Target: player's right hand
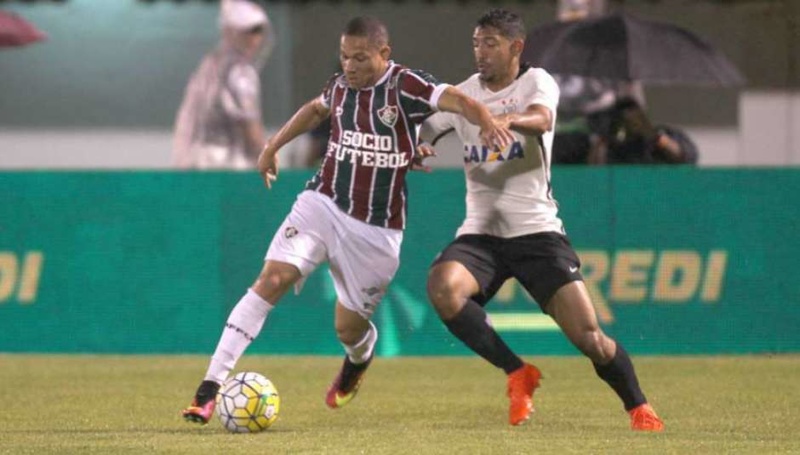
423, 151
268, 167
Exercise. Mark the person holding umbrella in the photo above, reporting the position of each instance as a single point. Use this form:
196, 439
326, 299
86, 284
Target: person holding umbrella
575, 142
625, 135
622, 49
512, 228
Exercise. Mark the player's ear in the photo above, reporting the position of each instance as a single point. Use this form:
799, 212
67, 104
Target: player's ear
386, 51
516, 46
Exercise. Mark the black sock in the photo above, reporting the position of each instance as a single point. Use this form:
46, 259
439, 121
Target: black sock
206, 392
620, 376
351, 372
471, 327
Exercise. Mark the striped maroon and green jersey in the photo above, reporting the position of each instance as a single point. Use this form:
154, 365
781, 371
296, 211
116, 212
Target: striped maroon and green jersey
372, 141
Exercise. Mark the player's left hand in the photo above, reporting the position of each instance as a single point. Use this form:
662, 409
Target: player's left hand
423, 151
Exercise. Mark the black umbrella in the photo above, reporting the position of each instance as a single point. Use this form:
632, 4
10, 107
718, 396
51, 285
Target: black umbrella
621, 46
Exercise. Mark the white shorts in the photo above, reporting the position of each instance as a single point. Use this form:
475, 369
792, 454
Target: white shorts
363, 258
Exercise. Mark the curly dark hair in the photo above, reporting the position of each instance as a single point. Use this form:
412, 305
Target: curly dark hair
508, 23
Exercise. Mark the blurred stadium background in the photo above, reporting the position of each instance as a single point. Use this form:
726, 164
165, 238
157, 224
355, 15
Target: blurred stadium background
114, 71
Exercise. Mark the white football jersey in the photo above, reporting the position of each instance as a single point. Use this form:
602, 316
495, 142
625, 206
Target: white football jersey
508, 191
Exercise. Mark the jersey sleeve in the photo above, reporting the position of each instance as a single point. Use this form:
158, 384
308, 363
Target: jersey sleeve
436, 126
546, 91
241, 96
419, 93
327, 91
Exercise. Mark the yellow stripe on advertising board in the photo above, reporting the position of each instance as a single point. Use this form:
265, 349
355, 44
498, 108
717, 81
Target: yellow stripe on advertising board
522, 322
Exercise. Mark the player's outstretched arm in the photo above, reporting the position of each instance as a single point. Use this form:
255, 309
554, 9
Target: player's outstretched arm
533, 121
305, 119
492, 133
254, 137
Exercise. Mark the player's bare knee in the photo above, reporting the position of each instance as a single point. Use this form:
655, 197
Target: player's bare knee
439, 286
438, 290
445, 294
272, 283
276, 280
347, 334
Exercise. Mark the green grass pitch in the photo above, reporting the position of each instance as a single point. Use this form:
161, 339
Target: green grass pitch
432, 405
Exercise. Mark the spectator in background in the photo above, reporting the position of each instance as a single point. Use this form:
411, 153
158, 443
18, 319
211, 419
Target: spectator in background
626, 136
219, 122
582, 96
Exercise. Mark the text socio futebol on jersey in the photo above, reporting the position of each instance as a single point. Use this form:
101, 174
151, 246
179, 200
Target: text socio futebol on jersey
374, 150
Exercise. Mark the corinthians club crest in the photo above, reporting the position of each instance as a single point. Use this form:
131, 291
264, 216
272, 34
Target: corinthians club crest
388, 115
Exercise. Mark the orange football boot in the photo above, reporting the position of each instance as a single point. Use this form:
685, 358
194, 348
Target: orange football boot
521, 384
644, 418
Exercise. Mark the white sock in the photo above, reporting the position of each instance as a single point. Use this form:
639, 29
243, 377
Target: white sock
362, 351
243, 326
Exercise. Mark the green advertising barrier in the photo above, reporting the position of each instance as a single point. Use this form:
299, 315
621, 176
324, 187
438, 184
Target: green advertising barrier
678, 260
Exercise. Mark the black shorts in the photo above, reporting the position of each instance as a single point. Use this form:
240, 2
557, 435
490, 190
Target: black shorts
541, 262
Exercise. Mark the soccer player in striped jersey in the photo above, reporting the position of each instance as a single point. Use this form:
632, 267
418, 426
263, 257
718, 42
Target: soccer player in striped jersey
353, 211
512, 228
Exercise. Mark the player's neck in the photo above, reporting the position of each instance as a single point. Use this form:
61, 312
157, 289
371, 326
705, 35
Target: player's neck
504, 80
379, 75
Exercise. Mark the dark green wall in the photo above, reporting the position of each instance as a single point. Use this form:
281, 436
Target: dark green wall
679, 260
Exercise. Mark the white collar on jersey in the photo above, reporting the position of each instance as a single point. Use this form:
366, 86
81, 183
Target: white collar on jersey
386, 74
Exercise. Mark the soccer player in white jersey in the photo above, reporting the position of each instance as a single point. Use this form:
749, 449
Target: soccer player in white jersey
353, 211
512, 229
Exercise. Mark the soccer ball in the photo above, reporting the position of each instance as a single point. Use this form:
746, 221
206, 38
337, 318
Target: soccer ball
248, 403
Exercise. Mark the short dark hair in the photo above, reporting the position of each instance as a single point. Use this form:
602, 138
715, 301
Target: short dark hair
508, 23
369, 27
